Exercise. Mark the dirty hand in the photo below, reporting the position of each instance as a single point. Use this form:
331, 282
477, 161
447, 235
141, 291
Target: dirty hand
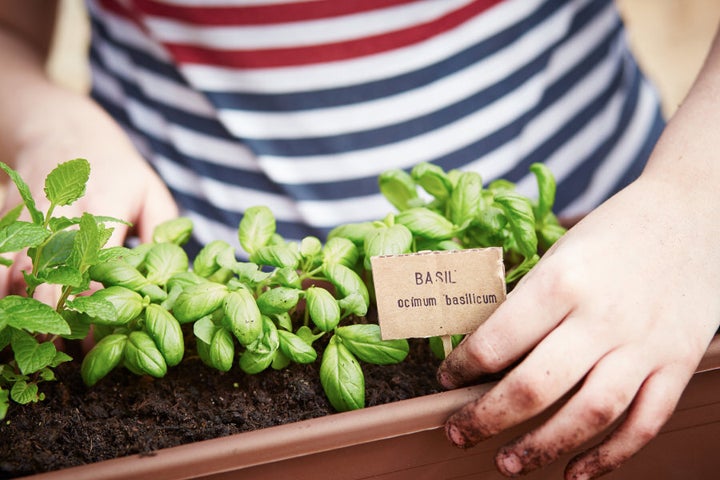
623, 307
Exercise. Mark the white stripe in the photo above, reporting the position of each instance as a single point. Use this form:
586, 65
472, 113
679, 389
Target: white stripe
302, 33
154, 86
497, 163
362, 69
617, 161
189, 142
398, 108
369, 162
127, 32
225, 196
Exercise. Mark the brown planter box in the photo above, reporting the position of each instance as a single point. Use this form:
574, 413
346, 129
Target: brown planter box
405, 440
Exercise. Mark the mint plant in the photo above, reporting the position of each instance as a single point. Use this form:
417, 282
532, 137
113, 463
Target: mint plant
62, 251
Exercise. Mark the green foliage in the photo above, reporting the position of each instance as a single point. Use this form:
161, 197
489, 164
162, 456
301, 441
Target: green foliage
267, 312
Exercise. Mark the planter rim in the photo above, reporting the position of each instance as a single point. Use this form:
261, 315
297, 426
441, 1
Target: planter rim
298, 439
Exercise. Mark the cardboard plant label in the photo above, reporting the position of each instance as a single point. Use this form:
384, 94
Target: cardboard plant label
430, 294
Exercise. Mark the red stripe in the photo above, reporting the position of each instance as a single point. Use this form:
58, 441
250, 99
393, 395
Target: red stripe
280, 57
262, 14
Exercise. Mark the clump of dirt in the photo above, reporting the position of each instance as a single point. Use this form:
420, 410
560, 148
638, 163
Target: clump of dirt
125, 414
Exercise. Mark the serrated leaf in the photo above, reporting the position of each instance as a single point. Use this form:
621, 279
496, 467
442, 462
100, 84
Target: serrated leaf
66, 183
56, 250
23, 392
30, 355
20, 235
86, 245
32, 315
62, 275
22, 187
12, 215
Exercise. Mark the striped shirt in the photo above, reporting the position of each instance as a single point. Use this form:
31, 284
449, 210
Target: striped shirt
299, 105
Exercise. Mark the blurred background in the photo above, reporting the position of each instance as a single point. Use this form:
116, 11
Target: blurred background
670, 38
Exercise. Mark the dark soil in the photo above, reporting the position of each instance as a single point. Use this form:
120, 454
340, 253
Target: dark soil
125, 414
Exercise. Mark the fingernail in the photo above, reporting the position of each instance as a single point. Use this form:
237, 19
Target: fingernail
511, 464
445, 380
453, 434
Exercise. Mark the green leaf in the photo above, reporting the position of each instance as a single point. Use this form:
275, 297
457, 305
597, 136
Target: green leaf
23, 392
62, 275
346, 281
212, 256
295, 348
20, 235
204, 329
256, 228
56, 250
11, 216
143, 355
163, 261
196, 301
521, 219
355, 232
67, 182
22, 187
103, 358
340, 250
398, 188
32, 315
242, 316
365, 342
426, 223
166, 333
118, 272
353, 304
279, 255
278, 300
30, 355
255, 362
387, 241
4, 403
176, 231
341, 377
96, 308
86, 244
323, 308
432, 179
466, 200
546, 189
310, 247
222, 350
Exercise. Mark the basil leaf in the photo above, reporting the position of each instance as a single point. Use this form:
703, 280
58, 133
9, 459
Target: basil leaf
278, 300
281, 255
426, 223
295, 348
166, 333
341, 377
142, 355
432, 179
257, 228
196, 301
163, 261
176, 231
322, 307
392, 240
340, 250
103, 358
520, 217
546, 190
466, 200
365, 342
398, 188
346, 281
242, 316
222, 350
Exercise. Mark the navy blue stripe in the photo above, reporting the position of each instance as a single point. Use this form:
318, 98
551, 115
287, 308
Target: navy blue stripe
138, 57
385, 87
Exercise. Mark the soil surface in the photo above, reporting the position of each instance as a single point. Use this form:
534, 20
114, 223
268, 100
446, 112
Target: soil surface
125, 414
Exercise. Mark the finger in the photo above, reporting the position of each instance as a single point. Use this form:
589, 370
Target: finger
651, 409
554, 367
513, 329
603, 397
159, 206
